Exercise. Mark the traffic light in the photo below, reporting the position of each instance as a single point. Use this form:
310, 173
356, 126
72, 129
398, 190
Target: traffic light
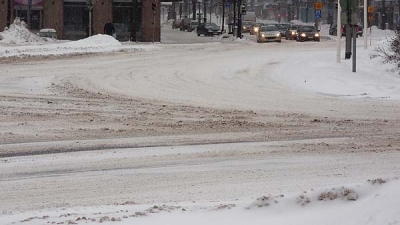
243, 9
154, 6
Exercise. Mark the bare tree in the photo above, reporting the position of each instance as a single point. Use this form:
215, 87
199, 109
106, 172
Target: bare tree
389, 51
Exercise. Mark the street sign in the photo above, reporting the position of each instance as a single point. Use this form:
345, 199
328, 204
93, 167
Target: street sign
318, 5
371, 18
318, 14
371, 9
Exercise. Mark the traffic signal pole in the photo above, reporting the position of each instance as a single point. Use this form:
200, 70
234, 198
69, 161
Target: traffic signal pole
239, 31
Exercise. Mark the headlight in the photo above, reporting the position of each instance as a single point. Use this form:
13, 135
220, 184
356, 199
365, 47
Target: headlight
278, 34
263, 35
293, 33
316, 35
244, 27
256, 29
303, 35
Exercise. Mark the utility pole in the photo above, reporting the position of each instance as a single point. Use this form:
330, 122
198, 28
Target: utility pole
239, 31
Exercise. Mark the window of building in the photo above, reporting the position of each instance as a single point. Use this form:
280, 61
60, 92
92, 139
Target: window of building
122, 15
36, 12
76, 15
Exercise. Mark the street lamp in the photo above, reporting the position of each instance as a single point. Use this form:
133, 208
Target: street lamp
90, 4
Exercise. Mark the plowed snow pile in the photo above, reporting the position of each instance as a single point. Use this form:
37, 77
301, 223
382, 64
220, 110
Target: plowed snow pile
19, 34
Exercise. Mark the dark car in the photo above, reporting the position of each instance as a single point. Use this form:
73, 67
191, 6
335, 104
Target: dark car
246, 26
208, 29
282, 27
307, 33
333, 30
291, 32
359, 31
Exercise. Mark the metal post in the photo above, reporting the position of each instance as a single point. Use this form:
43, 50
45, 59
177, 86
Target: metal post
239, 31
338, 33
354, 48
348, 31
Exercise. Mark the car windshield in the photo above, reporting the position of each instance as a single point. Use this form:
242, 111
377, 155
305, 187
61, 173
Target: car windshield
246, 23
283, 26
194, 23
211, 25
269, 28
307, 29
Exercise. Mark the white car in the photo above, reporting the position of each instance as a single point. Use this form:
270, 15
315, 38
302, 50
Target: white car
269, 33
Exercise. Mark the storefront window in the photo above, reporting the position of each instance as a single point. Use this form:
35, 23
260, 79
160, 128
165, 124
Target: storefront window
76, 15
122, 15
36, 9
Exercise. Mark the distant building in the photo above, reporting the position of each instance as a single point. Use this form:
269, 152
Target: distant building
133, 19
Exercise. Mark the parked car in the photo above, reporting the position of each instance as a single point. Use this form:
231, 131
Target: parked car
208, 29
189, 25
246, 26
306, 33
268, 33
255, 28
282, 27
176, 24
291, 32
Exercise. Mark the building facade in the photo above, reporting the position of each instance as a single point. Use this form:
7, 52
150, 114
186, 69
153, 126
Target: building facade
132, 19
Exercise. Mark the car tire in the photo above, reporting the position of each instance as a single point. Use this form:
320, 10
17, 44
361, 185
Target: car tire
198, 34
279, 41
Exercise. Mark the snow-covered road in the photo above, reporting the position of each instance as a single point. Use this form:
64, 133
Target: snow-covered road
211, 122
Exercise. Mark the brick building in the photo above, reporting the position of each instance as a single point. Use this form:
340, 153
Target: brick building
133, 19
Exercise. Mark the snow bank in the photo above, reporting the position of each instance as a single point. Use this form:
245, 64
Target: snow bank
19, 34
96, 44
373, 202
99, 40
